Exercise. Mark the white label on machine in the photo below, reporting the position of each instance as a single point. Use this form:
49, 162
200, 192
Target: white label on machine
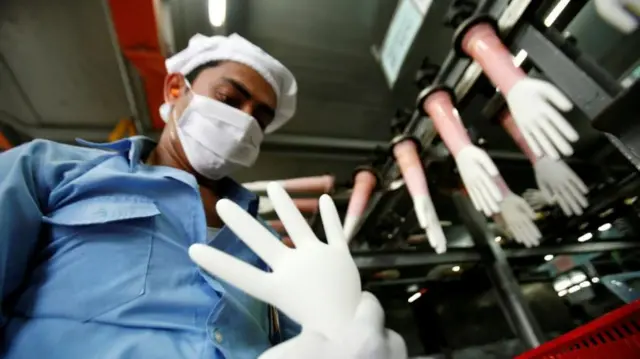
403, 29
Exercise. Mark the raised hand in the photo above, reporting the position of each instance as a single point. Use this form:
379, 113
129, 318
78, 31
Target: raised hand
315, 284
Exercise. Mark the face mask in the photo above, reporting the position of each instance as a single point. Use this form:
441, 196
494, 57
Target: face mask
217, 138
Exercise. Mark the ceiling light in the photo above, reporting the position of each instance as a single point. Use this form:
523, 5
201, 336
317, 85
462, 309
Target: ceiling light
394, 185
553, 14
578, 277
456, 268
585, 237
412, 288
519, 58
414, 297
604, 227
595, 279
561, 284
585, 284
562, 293
548, 257
574, 289
498, 239
217, 12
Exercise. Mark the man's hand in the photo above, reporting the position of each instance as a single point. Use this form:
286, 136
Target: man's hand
533, 106
364, 338
315, 284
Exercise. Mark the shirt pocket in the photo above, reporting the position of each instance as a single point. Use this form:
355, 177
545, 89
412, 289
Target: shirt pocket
97, 257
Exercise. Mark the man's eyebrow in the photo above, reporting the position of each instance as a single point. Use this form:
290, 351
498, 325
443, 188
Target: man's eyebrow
238, 86
243, 90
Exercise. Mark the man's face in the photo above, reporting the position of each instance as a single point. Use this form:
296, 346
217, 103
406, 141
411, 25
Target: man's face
232, 83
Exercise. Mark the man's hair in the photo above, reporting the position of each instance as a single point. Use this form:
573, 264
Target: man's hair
191, 76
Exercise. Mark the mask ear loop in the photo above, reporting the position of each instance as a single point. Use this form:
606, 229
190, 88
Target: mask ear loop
175, 92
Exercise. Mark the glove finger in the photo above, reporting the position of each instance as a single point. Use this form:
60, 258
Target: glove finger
296, 225
534, 233
562, 202
397, 346
240, 274
437, 238
481, 206
533, 145
474, 198
255, 235
490, 203
331, 223
488, 165
369, 312
513, 227
547, 191
554, 95
491, 191
553, 135
526, 210
524, 235
577, 199
558, 121
546, 146
573, 177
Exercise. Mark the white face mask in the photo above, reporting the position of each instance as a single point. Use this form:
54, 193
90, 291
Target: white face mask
217, 138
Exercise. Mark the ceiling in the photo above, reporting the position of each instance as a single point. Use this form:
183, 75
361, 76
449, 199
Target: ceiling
62, 75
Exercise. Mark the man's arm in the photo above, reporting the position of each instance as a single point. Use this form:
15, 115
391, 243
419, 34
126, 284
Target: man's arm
20, 215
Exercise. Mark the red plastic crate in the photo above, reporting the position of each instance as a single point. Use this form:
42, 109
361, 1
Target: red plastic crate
615, 335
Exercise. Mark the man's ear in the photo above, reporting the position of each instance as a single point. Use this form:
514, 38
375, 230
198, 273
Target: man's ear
174, 87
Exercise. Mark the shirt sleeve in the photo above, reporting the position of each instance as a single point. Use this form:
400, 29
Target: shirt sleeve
20, 215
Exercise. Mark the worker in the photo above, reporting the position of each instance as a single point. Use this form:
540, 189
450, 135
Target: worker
94, 239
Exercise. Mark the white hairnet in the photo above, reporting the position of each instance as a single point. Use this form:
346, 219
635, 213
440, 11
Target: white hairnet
203, 49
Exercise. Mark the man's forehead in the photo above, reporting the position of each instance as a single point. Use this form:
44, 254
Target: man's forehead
239, 74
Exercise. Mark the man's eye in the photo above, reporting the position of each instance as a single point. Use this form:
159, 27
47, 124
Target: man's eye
222, 97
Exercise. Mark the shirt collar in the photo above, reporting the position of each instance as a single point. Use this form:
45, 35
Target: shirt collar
138, 148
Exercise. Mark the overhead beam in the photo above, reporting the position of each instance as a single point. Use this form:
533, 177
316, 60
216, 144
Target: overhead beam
379, 259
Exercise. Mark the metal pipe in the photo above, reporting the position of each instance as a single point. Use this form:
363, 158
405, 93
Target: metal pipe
514, 306
122, 67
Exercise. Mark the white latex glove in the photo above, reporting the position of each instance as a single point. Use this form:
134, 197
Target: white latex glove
350, 223
428, 220
536, 199
533, 106
265, 206
315, 284
518, 217
621, 14
559, 184
477, 171
364, 338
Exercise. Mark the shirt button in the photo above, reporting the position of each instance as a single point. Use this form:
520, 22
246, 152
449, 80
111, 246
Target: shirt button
217, 336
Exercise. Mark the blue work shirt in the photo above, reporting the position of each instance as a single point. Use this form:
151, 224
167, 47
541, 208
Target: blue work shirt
94, 263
